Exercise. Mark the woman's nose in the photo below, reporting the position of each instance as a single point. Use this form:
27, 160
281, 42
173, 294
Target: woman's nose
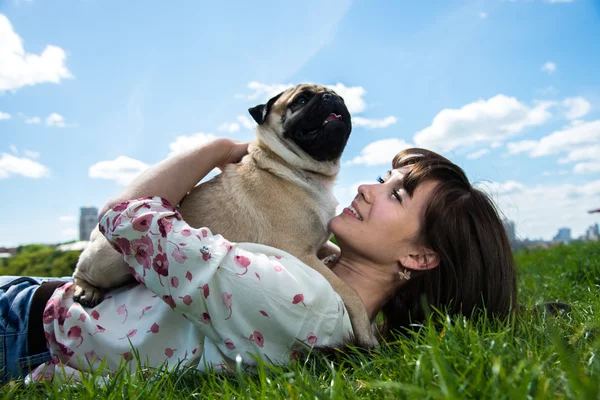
366, 192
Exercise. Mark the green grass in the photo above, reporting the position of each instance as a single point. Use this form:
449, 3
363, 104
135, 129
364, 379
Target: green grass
535, 356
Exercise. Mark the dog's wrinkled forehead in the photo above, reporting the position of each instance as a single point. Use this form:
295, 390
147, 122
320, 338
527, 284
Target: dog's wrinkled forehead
289, 95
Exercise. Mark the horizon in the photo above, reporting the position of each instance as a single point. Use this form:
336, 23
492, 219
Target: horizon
92, 93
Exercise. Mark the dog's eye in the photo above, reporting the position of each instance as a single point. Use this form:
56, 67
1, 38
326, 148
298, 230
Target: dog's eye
301, 100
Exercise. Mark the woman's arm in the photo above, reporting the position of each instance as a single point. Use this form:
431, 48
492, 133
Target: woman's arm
173, 177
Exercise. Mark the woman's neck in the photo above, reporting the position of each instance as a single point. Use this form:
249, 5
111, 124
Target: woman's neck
374, 284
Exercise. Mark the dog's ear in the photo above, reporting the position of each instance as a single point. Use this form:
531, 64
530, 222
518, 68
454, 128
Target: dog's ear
260, 112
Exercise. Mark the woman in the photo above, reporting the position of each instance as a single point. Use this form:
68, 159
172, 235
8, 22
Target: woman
204, 302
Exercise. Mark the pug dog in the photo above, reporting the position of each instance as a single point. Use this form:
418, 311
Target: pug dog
280, 194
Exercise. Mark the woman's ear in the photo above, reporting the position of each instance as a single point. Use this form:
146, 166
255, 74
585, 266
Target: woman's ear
420, 261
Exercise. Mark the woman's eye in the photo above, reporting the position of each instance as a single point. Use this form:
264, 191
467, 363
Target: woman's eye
396, 194
301, 100
380, 179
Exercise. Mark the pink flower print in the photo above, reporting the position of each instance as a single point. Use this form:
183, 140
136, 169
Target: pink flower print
153, 329
95, 315
194, 351
129, 334
51, 311
166, 204
278, 267
169, 352
228, 246
75, 333
206, 290
264, 313
49, 338
122, 309
188, 276
242, 262
204, 232
99, 329
175, 282
63, 314
82, 317
102, 229
187, 299
116, 221
164, 227
257, 275
229, 344
146, 309
144, 249
205, 318
179, 255
278, 257
143, 222
127, 356
299, 298
257, 338
169, 300
161, 266
312, 339
227, 302
65, 350
186, 232
123, 246
91, 356
121, 206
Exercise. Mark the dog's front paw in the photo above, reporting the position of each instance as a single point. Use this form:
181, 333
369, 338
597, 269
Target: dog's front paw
86, 294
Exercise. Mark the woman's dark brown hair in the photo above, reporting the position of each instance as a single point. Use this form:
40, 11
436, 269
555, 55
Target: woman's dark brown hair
461, 224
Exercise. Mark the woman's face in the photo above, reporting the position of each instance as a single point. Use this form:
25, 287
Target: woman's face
383, 222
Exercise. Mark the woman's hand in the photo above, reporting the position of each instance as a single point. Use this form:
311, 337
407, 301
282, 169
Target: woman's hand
233, 152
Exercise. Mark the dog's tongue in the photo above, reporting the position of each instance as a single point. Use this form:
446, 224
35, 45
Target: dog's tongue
332, 117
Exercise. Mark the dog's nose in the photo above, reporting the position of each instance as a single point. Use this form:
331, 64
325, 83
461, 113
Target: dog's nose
328, 98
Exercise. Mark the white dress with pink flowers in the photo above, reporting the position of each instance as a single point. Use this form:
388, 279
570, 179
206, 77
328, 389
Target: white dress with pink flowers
202, 301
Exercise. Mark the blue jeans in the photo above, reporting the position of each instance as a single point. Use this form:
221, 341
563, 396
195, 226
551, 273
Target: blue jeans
15, 299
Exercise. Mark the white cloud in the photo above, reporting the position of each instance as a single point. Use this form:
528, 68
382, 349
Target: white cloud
589, 167
33, 120
571, 138
184, 143
246, 122
547, 91
229, 127
560, 172
19, 68
264, 91
379, 152
67, 218
480, 122
576, 107
373, 123
122, 170
345, 194
13, 148
4, 115
31, 154
539, 210
353, 97
582, 153
483, 15
477, 154
56, 120
549, 67
13, 165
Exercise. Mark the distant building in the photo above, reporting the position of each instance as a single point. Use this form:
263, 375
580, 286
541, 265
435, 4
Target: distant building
563, 235
592, 233
88, 219
509, 227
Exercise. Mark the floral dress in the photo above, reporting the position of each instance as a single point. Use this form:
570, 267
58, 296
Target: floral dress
201, 301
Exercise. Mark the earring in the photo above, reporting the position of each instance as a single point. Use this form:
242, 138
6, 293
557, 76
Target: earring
404, 275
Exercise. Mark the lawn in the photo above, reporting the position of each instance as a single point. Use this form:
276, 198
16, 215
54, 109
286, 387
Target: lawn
535, 356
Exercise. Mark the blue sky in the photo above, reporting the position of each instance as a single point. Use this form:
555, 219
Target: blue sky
92, 92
